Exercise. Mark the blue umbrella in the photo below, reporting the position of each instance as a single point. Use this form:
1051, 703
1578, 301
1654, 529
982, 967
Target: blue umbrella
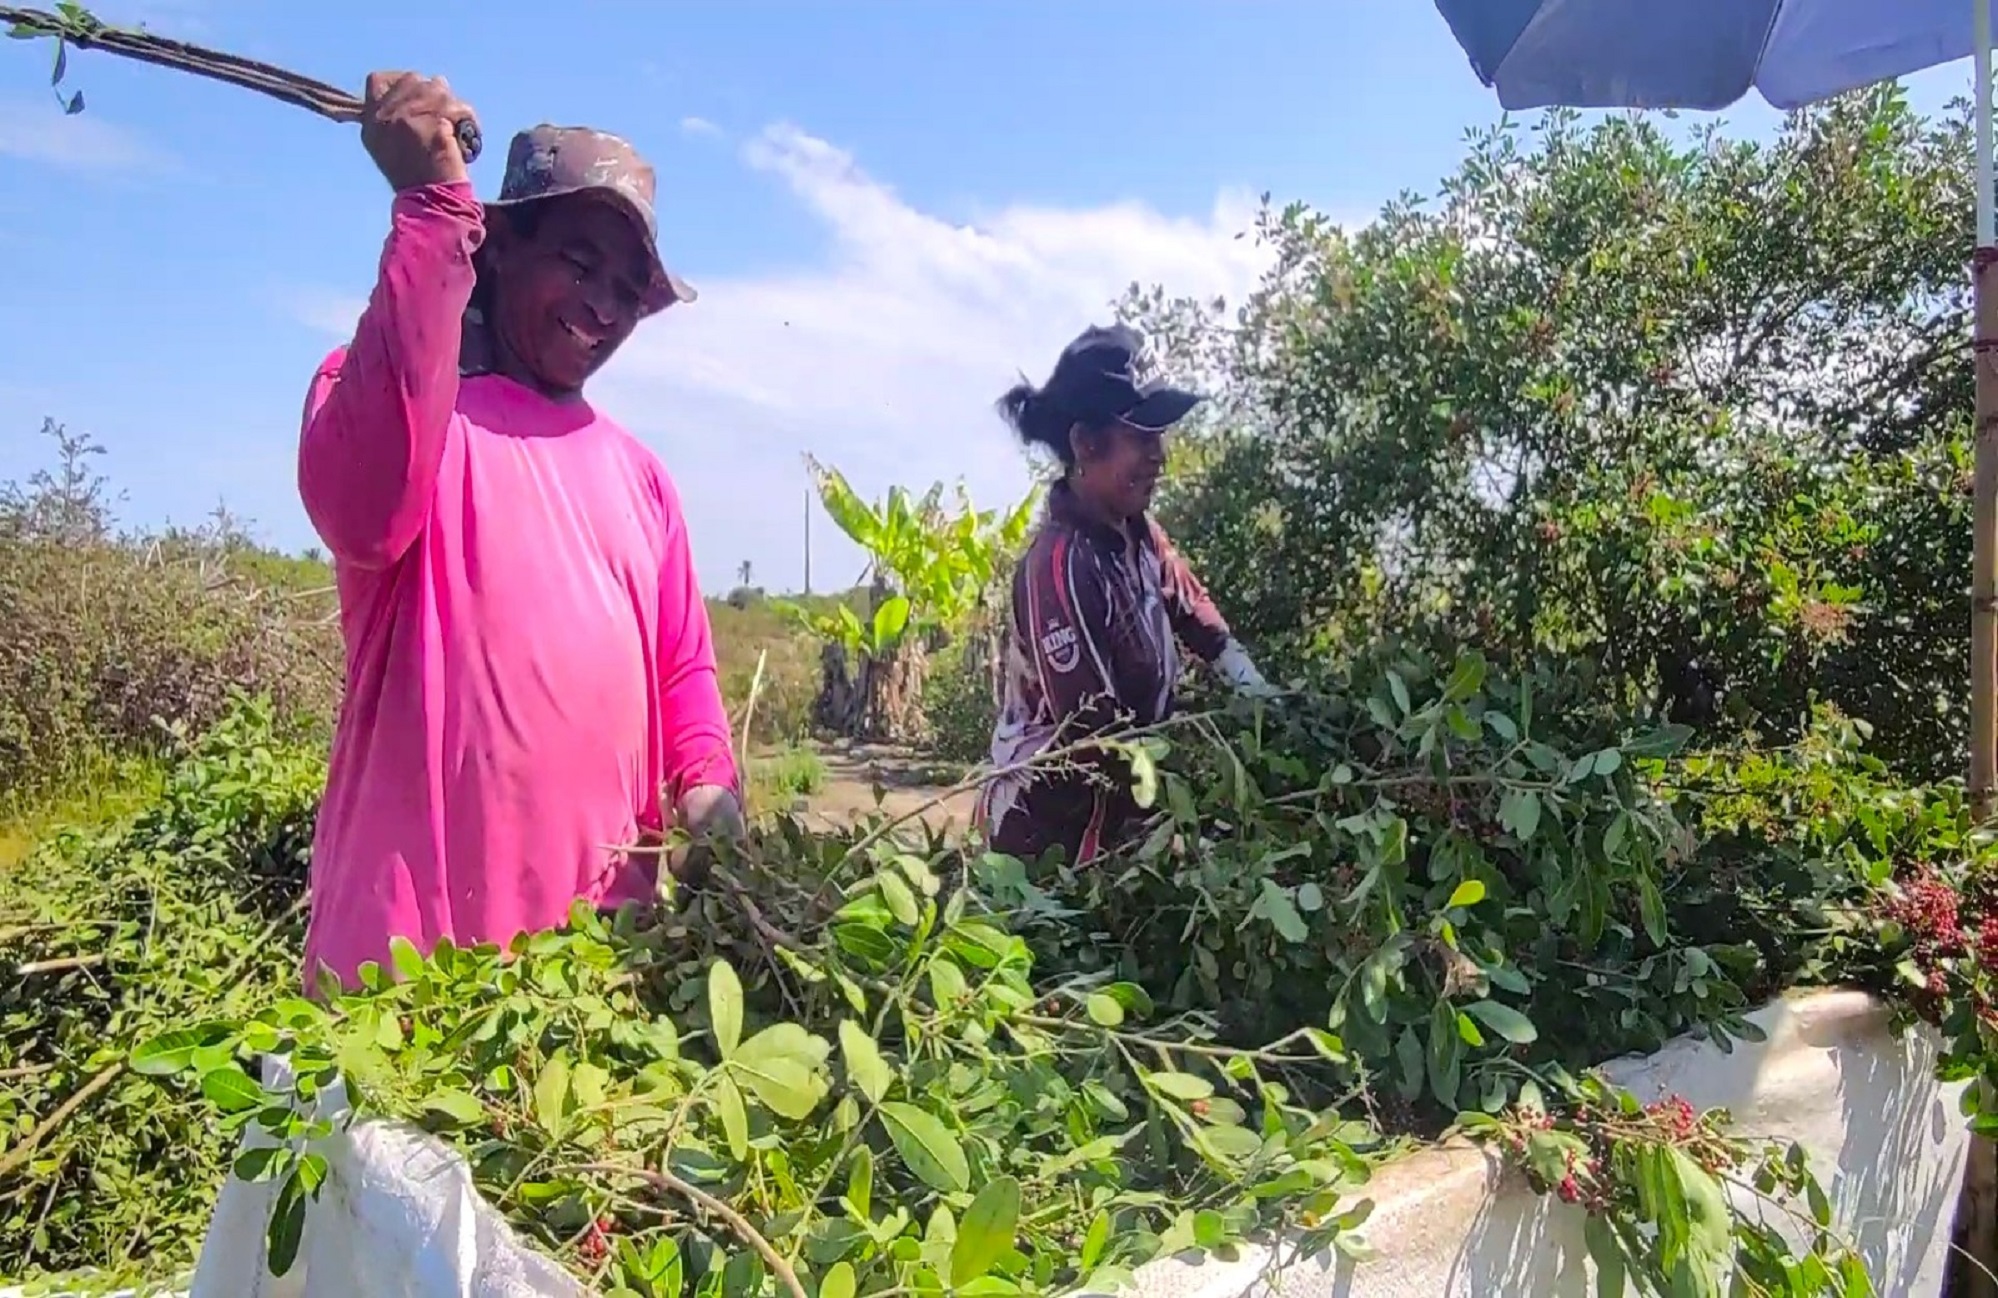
1702, 53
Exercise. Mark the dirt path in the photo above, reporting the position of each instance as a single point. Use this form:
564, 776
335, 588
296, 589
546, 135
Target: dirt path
906, 784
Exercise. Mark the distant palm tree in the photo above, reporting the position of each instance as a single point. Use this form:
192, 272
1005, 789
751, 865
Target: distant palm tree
745, 573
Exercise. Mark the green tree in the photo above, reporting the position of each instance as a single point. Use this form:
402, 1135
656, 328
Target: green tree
1691, 413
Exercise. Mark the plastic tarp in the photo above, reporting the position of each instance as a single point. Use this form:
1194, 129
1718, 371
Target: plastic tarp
397, 1217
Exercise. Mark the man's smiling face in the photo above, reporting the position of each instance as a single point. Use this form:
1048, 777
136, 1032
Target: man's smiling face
570, 287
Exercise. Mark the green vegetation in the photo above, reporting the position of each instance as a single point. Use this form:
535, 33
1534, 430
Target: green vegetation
932, 574
1605, 516
110, 641
781, 776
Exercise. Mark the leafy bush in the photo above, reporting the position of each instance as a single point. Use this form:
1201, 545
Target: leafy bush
959, 710
777, 779
1694, 414
1355, 909
191, 909
1436, 866
858, 1086
108, 641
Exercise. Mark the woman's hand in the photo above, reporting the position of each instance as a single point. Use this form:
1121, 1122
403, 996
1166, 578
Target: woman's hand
1234, 665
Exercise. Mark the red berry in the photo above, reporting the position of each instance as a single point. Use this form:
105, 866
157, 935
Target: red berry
1927, 909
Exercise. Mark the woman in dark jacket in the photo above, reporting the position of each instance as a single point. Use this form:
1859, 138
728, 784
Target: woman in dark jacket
1101, 601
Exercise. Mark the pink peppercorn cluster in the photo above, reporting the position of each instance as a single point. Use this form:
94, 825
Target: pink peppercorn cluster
1942, 926
1677, 1118
1987, 942
1586, 1180
1927, 909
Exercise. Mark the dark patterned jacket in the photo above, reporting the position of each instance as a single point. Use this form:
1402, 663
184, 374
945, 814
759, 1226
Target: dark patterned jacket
1098, 620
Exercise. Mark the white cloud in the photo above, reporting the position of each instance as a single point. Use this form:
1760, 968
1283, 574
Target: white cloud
699, 126
884, 357
37, 130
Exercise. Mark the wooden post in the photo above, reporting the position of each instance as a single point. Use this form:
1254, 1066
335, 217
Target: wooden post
1984, 545
1973, 1270
1973, 1265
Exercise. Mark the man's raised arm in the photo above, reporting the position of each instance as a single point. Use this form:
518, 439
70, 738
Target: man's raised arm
380, 409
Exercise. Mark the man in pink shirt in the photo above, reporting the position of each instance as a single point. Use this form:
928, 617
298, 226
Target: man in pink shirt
530, 677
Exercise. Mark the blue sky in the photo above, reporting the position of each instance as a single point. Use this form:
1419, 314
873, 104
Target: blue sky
889, 206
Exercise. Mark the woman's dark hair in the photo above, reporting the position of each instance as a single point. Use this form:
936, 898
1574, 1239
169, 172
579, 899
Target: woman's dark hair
1038, 421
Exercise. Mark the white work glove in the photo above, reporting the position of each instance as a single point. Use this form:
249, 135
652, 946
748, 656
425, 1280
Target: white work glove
1235, 667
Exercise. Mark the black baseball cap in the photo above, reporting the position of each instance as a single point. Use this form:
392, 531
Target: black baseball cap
1108, 374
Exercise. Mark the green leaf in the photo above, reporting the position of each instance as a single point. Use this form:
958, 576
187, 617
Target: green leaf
1132, 997
261, 1163
1710, 1223
1607, 1254
985, 1234
927, 1147
1662, 742
779, 1065
1104, 1010
734, 1117
1144, 777
461, 1107
890, 621
725, 1006
1467, 679
172, 1052
860, 1182
839, 1282
1651, 908
1469, 893
1276, 906
865, 1067
287, 1225
1504, 1020
1408, 1056
1180, 1086
1095, 1240
1446, 1055
1519, 813
232, 1090
901, 900
408, 961
551, 1093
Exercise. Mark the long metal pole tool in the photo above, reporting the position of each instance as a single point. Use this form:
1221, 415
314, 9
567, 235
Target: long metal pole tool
73, 26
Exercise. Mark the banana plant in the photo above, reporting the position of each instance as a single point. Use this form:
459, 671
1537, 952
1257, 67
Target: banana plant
935, 561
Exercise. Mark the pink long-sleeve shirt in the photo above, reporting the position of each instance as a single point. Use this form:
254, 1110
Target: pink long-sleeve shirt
530, 675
